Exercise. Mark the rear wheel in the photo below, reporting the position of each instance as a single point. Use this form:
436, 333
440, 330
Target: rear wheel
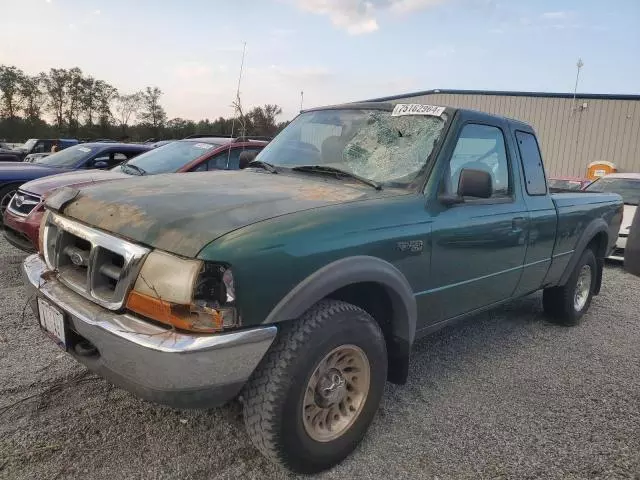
567, 304
312, 398
6, 194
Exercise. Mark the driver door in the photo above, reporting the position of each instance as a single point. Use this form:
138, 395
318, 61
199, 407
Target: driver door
479, 245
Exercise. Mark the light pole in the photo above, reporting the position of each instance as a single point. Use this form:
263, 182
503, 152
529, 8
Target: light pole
580, 64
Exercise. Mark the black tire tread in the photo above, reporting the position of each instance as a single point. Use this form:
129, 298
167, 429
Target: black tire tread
270, 381
558, 301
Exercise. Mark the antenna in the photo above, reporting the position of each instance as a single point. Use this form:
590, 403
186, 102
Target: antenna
237, 104
580, 64
301, 99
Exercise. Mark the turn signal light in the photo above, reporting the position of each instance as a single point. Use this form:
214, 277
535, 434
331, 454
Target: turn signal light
195, 318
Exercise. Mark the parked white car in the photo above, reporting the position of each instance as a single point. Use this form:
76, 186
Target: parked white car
628, 186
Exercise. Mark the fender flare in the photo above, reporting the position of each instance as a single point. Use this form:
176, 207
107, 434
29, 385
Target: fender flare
597, 226
347, 271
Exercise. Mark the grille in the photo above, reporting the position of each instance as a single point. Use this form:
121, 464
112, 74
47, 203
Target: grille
23, 203
97, 265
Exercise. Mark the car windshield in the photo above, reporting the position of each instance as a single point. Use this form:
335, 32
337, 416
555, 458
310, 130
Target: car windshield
67, 157
167, 158
29, 144
627, 188
370, 143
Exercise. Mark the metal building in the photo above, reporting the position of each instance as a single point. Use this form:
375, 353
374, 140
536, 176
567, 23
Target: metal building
572, 133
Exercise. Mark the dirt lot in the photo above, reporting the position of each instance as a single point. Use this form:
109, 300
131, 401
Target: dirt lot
504, 395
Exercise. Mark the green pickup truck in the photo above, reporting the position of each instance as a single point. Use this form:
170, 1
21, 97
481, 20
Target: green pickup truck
301, 283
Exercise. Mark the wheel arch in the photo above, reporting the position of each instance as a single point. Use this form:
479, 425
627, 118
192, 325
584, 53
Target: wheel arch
595, 237
370, 283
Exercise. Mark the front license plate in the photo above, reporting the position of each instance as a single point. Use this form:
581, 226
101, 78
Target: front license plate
52, 321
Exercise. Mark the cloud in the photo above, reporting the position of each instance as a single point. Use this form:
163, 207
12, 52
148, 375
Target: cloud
96, 12
555, 15
360, 16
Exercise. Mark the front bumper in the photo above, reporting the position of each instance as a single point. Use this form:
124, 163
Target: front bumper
178, 369
22, 232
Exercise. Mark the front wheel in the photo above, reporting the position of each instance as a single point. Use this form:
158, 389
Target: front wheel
567, 304
315, 393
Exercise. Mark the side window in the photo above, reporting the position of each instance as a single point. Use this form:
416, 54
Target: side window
481, 147
202, 167
531, 163
229, 160
112, 159
40, 147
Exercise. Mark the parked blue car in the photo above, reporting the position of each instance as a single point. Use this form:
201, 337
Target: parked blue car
82, 156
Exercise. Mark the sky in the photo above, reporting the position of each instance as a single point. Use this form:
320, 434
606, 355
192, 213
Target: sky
333, 50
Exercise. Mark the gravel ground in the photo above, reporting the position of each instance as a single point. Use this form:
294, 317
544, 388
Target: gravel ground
503, 395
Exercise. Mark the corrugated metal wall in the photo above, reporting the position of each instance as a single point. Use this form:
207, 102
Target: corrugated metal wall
605, 130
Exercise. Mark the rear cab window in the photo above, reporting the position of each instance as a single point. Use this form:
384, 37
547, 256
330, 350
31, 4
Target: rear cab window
534, 177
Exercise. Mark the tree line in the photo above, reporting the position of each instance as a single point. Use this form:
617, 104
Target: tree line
81, 106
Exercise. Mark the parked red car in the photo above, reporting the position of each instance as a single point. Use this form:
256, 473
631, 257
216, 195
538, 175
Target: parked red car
23, 215
563, 184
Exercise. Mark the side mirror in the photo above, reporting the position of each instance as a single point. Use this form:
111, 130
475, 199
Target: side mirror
100, 164
472, 183
475, 183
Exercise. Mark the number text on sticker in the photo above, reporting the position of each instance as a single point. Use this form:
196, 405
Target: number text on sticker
417, 109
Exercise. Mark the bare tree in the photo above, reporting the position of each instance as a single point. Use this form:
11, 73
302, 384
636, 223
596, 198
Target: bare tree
105, 95
152, 114
127, 106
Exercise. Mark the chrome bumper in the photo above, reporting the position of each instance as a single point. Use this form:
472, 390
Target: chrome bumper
178, 369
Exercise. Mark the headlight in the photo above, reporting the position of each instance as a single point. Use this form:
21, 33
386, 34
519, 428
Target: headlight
41, 232
187, 294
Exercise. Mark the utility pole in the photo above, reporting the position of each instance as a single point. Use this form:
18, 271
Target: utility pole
301, 99
580, 64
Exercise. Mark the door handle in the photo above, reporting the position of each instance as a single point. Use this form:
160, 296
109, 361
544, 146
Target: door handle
518, 223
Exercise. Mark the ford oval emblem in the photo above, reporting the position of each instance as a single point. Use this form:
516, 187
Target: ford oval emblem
76, 259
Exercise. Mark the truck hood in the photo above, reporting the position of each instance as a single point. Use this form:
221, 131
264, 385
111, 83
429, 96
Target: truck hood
76, 179
182, 213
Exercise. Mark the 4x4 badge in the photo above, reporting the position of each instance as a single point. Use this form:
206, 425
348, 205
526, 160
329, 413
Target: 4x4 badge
413, 246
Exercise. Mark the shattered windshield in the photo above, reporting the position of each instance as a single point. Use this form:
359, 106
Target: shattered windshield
379, 145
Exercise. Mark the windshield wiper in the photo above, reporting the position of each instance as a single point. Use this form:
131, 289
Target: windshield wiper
135, 168
264, 165
338, 172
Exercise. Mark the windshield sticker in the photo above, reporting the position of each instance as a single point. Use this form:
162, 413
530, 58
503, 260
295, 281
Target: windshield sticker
84, 149
204, 146
402, 109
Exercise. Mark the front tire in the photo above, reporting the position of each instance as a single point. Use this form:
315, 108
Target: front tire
312, 398
567, 304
